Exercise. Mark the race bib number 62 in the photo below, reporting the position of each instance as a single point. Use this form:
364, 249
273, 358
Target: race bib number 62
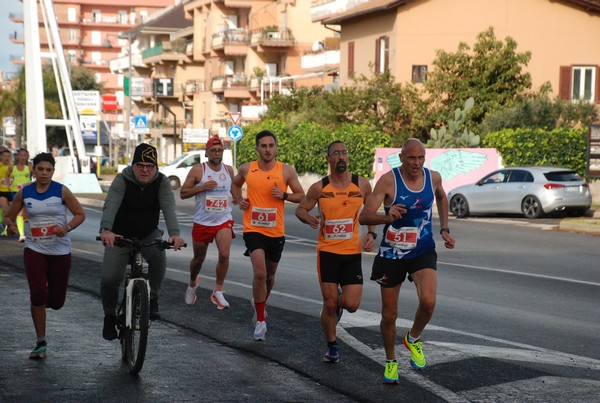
339, 229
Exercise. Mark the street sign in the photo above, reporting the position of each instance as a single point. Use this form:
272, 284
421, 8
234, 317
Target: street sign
235, 117
235, 133
141, 125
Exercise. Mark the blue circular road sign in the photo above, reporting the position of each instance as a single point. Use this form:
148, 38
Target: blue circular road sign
235, 132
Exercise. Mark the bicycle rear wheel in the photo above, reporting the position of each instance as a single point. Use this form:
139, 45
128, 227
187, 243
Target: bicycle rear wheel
136, 336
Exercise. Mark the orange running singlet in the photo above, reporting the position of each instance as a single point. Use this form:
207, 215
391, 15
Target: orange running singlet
265, 214
340, 231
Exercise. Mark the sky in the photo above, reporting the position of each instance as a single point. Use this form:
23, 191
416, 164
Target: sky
7, 27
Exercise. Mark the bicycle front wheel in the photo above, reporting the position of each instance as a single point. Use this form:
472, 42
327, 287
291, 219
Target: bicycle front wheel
136, 336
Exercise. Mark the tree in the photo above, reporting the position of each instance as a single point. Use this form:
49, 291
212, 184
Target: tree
492, 73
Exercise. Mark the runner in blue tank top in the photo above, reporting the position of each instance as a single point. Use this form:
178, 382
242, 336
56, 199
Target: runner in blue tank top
407, 247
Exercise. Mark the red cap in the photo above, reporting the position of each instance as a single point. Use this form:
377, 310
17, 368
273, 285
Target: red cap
212, 141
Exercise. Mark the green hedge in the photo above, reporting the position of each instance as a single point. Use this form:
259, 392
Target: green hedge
558, 147
304, 146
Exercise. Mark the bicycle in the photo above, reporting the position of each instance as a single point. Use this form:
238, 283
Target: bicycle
133, 315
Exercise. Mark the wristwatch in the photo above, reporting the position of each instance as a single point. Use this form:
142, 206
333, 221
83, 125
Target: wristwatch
285, 196
374, 235
444, 230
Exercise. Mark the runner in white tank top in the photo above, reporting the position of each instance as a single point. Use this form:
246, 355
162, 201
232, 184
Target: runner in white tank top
210, 184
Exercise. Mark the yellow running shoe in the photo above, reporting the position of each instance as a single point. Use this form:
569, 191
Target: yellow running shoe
390, 375
417, 358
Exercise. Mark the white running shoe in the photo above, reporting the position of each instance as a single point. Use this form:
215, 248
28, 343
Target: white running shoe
260, 330
190, 293
219, 300
254, 310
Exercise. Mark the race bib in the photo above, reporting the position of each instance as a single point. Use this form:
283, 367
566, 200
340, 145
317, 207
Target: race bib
43, 232
402, 238
216, 204
263, 217
339, 229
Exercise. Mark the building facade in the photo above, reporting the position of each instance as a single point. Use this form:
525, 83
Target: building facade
402, 36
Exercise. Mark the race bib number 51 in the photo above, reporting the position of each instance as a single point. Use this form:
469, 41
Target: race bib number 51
402, 238
339, 229
263, 217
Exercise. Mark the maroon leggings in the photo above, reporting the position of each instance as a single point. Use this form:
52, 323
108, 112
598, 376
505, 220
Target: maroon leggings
48, 278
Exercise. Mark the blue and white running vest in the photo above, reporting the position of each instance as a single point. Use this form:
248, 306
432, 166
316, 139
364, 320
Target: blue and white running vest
45, 212
410, 236
213, 207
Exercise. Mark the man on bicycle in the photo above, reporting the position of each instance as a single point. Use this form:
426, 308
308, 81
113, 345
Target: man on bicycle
132, 209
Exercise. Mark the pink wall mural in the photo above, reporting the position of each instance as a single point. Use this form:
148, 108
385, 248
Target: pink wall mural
458, 166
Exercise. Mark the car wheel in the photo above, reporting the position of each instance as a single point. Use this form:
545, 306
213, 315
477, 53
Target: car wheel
531, 207
459, 206
174, 181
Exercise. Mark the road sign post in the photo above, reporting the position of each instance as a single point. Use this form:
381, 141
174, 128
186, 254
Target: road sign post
235, 133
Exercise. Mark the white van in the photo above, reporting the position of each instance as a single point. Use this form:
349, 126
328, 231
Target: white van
178, 169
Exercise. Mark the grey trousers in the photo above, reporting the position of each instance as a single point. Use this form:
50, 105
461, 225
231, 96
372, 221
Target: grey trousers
113, 270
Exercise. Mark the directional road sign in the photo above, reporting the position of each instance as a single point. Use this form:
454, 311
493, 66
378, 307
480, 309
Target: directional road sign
235, 133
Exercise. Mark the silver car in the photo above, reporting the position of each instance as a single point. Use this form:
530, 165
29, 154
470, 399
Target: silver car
532, 191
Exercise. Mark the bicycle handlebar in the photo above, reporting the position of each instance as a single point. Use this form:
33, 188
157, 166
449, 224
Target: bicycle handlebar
136, 243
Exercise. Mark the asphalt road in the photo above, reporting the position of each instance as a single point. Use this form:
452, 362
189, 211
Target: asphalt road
502, 330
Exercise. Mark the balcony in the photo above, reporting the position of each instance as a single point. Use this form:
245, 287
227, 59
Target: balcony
266, 39
320, 61
235, 86
16, 17
233, 42
166, 52
15, 37
17, 59
192, 87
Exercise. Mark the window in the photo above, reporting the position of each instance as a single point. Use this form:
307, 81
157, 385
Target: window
382, 61
122, 17
72, 56
579, 83
520, 176
96, 57
350, 59
419, 73
96, 38
71, 14
96, 16
583, 83
72, 35
143, 16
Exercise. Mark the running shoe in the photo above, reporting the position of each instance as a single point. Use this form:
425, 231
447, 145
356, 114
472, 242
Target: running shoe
219, 300
21, 239
109, 331
332, 354
254, 319
390, 375
417, 358
340, 310
39, 352
260, 331
190, 293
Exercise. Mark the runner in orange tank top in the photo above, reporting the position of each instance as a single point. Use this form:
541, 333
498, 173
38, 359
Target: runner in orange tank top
267, 182
340, 196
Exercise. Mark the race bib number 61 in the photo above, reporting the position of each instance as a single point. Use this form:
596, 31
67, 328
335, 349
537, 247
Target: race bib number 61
263, 217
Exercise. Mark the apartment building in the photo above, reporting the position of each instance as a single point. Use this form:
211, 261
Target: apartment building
402, 36
91, 34
248, 50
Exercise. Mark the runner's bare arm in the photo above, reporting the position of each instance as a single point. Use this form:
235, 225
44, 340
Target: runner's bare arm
307, 203
189, 188
291, 178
